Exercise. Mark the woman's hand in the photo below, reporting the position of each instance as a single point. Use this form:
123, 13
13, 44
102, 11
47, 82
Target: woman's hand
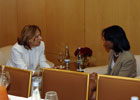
92, 85
56, 67
59, 67
37, 74
93, 76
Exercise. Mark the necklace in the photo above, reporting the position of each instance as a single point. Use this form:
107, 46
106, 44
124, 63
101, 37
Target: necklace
116, 55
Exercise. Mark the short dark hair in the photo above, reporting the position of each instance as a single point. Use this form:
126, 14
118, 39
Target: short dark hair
117, 36
26, 34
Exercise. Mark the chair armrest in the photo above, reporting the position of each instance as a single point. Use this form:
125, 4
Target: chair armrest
137, 57
137, 76
99, 69
5, 53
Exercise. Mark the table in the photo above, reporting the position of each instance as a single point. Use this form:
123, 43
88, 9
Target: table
72, 66
12, 97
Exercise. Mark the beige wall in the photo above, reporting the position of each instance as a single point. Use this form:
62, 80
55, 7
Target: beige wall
72, 22
8, 22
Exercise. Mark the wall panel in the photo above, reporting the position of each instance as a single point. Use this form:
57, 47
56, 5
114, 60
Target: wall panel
31, 12
8, 22
65, 25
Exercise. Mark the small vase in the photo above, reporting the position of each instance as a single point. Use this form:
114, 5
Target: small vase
85, 61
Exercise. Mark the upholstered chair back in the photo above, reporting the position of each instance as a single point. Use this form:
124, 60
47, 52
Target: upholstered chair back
20, 81
69, 85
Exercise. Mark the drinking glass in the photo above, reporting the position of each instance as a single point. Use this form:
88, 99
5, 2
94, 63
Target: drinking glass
60, 58
4, 79
3, 93
51, 95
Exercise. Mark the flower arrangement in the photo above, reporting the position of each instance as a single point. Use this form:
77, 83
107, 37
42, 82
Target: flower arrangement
85, 52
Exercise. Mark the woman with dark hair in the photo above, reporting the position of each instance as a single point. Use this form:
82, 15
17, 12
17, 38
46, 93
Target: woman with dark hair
121, 60
28, 52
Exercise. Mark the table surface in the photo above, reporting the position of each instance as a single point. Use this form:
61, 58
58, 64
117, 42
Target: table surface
12, 97
72, 67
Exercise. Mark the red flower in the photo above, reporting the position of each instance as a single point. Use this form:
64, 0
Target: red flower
85, 52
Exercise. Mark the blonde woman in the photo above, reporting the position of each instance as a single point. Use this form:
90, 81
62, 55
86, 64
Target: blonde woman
28, 52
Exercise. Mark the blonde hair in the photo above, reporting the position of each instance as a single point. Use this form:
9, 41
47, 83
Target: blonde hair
27, 33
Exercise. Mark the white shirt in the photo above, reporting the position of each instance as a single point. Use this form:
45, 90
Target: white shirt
31, 55
112, 63
28, 59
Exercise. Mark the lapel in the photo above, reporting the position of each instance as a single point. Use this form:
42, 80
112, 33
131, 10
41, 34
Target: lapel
26, 57
110, 61
117, 64
35, 57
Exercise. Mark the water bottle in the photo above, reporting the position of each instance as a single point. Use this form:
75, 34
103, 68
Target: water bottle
67, 57
35, 83
134, 98
35, 90
79, 60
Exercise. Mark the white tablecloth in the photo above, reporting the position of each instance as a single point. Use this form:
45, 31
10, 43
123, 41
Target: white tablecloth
12, 97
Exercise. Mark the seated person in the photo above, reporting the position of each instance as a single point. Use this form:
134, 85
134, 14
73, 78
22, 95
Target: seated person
28, 52
121, 60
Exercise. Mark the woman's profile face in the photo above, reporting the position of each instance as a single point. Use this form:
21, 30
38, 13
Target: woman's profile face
107, 44
36, 39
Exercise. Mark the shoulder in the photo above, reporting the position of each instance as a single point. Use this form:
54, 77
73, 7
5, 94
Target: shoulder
18, 47
127, 55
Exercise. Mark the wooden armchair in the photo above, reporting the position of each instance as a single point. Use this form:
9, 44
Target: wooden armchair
117, 88
69, 85
20, 81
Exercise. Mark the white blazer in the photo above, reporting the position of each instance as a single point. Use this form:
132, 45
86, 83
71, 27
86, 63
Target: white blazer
20, 57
